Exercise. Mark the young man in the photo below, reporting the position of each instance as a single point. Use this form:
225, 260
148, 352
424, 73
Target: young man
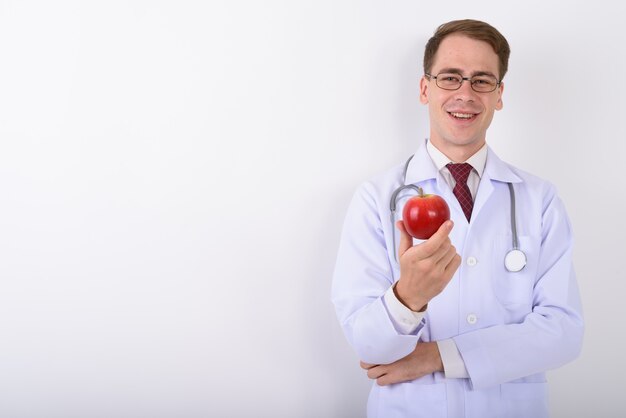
460, 325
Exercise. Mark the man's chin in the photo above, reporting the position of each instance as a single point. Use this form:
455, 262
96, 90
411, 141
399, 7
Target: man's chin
462, 142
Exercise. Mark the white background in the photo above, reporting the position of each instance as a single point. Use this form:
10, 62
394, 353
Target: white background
174, 176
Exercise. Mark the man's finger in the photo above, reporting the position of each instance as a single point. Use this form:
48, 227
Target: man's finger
453, 265
433, 243
376, 372
447, 256
366, 366
390, 378
442, 251
385, 380
406, 240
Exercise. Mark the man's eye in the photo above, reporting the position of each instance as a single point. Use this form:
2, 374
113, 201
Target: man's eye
483, 81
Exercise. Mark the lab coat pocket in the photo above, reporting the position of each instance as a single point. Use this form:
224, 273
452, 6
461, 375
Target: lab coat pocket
523, 400
426, 400
409, 399
514, 289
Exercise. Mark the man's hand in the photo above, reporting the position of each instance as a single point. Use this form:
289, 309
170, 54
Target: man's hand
425, 269
425, 359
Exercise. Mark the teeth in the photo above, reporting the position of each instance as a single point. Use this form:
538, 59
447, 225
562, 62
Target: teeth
462, 115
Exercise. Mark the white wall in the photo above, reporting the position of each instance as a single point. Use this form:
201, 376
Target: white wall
174, 175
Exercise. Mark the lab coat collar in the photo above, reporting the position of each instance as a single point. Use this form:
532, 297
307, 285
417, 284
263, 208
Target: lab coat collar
498, 170
422, 168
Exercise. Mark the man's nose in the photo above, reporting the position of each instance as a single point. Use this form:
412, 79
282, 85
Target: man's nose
465, 92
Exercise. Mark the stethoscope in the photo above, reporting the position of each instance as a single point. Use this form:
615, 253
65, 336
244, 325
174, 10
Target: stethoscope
514, 260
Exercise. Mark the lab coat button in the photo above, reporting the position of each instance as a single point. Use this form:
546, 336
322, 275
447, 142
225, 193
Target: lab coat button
471, 261
471, 319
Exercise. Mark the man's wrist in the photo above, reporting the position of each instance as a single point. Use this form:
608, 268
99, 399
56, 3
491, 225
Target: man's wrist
437, 361
418, 306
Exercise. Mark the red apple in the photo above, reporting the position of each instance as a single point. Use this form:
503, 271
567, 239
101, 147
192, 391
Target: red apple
424, 214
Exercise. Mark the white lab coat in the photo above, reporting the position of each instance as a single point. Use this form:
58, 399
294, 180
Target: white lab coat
510, 328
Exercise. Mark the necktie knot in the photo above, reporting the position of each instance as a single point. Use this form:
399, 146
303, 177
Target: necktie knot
460, 172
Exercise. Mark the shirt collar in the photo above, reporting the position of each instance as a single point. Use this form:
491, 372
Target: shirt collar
477, 161
422, 167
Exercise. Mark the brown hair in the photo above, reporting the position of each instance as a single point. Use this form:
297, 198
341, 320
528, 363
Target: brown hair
473, 29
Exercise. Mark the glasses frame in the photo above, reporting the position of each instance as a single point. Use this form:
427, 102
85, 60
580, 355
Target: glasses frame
498, 82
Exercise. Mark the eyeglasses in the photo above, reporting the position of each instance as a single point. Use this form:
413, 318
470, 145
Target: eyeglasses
452, 81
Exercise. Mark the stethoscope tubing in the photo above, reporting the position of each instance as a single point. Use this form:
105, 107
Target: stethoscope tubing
514, 260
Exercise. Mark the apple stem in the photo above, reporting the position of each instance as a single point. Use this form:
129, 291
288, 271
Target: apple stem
420, 191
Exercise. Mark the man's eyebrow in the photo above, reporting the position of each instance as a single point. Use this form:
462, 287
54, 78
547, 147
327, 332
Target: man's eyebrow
460, 72
479, 73
451, 70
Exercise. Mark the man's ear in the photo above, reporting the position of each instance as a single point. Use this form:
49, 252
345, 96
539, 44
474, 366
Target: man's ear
424, 90
499, 103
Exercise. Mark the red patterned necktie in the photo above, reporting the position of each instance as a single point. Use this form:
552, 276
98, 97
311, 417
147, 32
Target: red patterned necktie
460, 173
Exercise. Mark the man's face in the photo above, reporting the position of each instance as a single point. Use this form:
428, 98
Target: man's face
459, 118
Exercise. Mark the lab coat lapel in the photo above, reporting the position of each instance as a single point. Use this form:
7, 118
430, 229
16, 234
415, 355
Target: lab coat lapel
421, 168
485, 188
496, 170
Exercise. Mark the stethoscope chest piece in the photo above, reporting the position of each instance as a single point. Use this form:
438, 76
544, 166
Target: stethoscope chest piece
515, 260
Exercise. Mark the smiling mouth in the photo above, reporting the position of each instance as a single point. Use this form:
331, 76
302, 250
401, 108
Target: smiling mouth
462, 116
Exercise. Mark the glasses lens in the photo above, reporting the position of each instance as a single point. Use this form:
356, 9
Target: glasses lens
484, 83
449, 81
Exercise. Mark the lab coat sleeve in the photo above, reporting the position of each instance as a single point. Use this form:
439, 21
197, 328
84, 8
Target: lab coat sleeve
404, 320
362, 275
549, 336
